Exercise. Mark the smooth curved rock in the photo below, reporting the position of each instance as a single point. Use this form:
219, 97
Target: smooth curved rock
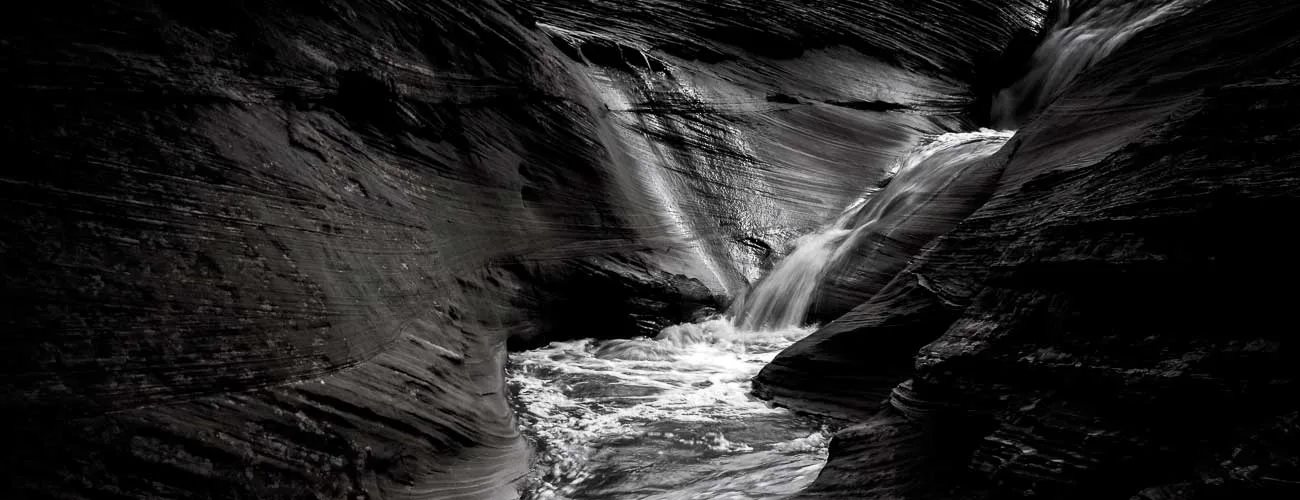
1115, 295
291, 216
616, 296
248, 249
891, 458
963, 178
848, 368
277, 249
743, 143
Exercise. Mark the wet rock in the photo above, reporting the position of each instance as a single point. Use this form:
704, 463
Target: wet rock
759, 122
958, 180
277, 249
848, 368
604, 297
1107, 342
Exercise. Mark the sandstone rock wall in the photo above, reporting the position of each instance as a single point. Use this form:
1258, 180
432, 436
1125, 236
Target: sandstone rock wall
1107, 326
253, 250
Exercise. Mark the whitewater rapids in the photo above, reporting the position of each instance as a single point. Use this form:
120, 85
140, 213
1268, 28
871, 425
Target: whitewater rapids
664, 418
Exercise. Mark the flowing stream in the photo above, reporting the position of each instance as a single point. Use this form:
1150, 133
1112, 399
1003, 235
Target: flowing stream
672, 417
663, 418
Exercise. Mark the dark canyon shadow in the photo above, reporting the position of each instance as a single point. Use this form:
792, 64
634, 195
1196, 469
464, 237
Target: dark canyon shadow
280, 249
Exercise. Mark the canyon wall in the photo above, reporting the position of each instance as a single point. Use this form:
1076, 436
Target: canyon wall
760, 121
277, 249
1109, 324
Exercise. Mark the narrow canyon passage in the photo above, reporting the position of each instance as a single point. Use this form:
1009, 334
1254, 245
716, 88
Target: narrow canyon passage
650, 249
673, 416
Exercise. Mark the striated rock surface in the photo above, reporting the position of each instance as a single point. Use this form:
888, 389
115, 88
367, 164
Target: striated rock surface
278, 249
616, 296
847, 261
260, 250
756, 122
1105, 326
915, 209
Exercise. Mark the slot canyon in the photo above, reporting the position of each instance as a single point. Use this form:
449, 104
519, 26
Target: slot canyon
650, 249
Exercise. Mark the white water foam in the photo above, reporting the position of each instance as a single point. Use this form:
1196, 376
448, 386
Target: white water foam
669, 417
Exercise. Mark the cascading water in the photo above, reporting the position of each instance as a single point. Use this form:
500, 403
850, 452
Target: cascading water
1072, 45
783, 297
672, 417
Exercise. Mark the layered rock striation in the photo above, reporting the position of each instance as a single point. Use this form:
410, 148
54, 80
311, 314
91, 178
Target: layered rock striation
759, 121
1104, 327
278, 249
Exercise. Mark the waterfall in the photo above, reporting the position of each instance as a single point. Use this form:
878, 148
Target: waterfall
782, 298
1071, 46
672, 417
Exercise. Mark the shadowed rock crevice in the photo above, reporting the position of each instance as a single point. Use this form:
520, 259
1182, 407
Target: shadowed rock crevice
848, 368
605, 297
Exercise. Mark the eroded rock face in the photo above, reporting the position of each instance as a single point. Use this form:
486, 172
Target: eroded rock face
277, 249
1101, 328
617, 296
248, 249
757, 122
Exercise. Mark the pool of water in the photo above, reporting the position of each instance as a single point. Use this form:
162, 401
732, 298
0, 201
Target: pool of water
663, 418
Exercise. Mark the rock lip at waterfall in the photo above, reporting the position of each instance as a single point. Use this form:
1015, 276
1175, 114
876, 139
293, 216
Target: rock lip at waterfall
1107, 315
848, 368
954, 176
837, 267
757, 122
